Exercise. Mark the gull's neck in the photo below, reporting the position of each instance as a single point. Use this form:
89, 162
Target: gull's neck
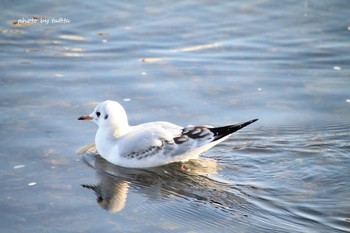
108, 134
114, 129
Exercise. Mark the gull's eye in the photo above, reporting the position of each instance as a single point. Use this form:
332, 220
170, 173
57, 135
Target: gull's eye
98, 114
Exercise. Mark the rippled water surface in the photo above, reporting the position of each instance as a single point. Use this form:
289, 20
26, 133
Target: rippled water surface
188, 62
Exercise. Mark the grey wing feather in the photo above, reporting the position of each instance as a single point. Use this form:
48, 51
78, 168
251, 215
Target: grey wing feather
189, 139
149, 152
195, 132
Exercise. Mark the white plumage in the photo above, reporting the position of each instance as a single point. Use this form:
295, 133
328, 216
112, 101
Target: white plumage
151, 144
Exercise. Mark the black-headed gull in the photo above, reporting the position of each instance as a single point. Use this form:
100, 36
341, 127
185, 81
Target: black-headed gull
151, 144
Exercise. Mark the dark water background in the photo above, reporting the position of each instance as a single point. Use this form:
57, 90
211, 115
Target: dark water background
188, 62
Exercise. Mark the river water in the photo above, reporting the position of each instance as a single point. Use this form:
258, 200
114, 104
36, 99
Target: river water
187, 62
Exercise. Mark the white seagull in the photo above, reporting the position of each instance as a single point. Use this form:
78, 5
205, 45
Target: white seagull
151, 144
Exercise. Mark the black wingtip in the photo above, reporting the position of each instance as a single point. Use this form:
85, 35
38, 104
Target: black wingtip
249, 122
221, 132
242, 125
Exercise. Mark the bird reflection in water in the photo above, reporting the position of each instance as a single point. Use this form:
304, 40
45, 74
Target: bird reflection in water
111, 197
189, 180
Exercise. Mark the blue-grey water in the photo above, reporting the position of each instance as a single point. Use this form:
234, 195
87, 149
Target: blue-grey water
188, 62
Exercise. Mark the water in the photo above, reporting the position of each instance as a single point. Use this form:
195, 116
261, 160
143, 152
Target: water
190, 62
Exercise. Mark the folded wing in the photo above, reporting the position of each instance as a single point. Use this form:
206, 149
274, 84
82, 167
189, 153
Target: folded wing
162, 139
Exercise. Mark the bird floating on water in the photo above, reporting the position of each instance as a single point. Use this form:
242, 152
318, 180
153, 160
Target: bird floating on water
151, 144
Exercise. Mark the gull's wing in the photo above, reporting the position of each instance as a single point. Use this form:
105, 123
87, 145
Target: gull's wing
166, 141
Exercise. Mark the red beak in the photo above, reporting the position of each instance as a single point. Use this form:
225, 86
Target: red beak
85, 117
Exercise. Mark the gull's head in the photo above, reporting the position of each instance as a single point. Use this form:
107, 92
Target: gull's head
108, 114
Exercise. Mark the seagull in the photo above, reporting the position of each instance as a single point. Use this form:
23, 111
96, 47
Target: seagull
151, 144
